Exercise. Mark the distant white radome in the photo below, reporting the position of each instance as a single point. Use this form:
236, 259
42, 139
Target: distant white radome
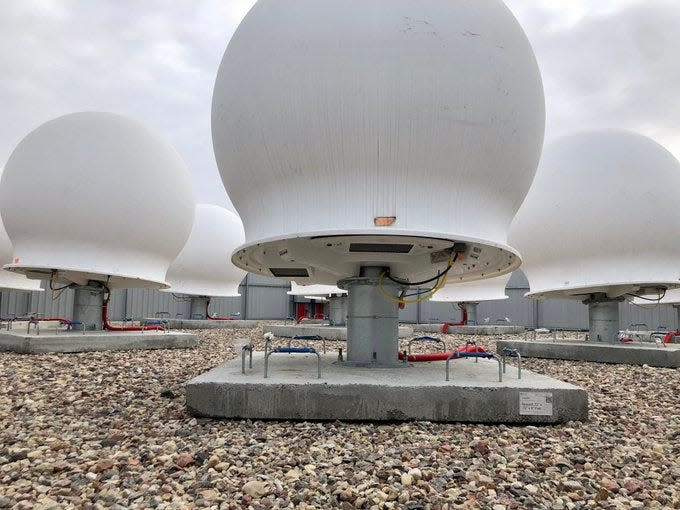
203, 267
96, 196
598, 218
367, 132
491, 289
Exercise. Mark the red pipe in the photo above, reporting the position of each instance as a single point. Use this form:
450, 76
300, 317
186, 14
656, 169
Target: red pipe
110, 327
670, 335
440, 356
213, 317
463, 320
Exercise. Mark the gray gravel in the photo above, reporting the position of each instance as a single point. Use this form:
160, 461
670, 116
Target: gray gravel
109, 430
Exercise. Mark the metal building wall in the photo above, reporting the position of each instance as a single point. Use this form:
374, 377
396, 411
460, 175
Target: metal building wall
229, 306
52, 303
14, 304
143, 303
265, 298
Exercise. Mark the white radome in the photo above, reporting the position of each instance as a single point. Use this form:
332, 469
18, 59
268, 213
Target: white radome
314, 291
351, 133
491, 289
598, 219
8, 279
96, 196
203, 267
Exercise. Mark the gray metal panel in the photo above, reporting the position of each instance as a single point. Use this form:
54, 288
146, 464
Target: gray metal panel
14, 303
562, 313
517, 308
654, 316
116, 307
228, 306
409, 313
52, 303
431, 311
148, 303
267, 302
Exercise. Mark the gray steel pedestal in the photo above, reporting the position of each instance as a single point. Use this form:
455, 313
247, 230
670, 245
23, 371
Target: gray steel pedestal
372, 319
199, 307
337, 310
88, 302
603, 318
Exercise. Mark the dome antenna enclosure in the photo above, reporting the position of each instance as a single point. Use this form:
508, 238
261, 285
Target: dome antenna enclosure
111, 205
579, 236
203, 269
336, 297
364, 145
8, 279
378, 147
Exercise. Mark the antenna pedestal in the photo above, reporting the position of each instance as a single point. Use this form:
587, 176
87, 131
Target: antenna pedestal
337, 310
372, 320
471, 313
603, 318
88, 302
199, 308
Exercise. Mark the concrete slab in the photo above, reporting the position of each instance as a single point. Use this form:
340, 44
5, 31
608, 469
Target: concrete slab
417, 391
480, 330
50, 342
326, 332
628, 354
208, 324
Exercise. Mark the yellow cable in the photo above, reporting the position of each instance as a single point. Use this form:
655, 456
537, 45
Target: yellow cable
420, 298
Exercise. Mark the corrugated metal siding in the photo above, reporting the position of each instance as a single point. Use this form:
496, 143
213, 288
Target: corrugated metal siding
562, 313
14, 304
52, 303
431, 311
228, 306
517, 308
267, 299
148, 303
267, 302
654, 317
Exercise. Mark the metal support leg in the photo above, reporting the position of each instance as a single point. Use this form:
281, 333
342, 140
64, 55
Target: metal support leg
246, 348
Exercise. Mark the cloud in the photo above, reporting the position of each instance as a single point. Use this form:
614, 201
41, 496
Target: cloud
608, 64
604, 63
153, 60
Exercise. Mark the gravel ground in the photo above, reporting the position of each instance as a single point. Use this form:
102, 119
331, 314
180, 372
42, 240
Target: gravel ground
101, 430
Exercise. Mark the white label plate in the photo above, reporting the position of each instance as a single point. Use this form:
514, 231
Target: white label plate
536, 403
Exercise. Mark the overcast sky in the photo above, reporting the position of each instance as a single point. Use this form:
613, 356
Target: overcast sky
604, 63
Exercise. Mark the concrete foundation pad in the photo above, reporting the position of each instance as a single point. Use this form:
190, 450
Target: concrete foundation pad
628, 354
208, 324
326, 332
471, 330
417, 391
93, 341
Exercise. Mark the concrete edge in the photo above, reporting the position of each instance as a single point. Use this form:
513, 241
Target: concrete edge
597, 353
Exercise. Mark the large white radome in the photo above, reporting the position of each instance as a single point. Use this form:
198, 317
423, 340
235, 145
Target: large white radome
204, 268
598, 219
329, 117
96, 196
491, 289
8, 279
